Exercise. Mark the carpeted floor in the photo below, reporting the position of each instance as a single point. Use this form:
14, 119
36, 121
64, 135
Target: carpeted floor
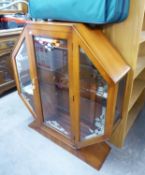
25, 152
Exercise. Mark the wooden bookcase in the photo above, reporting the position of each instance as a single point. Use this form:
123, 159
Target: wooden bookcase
129, 39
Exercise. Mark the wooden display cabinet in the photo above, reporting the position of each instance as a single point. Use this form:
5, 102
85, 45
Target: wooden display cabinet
73, 81
8, 39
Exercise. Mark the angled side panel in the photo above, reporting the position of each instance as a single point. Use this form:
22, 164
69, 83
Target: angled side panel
94, 97
23, 76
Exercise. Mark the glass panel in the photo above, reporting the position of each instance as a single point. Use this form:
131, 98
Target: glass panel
52, 67
93, 99
24, 74
120, 98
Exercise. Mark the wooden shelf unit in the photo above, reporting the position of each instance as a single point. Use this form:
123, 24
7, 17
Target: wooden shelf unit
138, 87
140, 66
129, 38
142, 37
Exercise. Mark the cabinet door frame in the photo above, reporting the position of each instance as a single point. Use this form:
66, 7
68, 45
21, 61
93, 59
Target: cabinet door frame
66, 34
78, 42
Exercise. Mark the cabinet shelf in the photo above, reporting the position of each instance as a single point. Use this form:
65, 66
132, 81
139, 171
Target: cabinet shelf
142, 37
140, 66
134, 112
139, 86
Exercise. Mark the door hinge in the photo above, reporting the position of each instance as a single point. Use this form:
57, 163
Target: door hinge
73, 98
72, 46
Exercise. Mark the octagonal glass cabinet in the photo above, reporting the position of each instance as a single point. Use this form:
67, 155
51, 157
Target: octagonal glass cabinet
72, 80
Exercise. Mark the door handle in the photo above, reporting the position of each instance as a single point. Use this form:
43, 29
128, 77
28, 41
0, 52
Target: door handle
33, 83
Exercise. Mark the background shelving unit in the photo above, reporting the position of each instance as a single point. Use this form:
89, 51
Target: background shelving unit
129, 38
17, 8
8, 38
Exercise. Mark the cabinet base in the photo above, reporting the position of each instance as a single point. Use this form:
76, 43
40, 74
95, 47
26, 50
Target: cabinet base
94, 155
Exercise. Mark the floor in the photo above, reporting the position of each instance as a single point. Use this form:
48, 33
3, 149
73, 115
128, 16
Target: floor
25, 152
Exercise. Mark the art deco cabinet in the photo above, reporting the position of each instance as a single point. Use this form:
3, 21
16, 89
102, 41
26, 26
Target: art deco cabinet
74, 82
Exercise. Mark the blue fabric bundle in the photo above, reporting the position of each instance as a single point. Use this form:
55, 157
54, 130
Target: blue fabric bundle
87, 11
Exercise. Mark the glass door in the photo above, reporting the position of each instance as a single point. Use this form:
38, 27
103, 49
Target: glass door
53, 76
24, 78
93, 99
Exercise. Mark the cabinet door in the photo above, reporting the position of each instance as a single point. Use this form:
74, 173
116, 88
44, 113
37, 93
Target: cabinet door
52, 62
92, 98
24, 76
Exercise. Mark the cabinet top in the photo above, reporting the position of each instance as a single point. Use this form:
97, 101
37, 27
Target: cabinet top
106, 55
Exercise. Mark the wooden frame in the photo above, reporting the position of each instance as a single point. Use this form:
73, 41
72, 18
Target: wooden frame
22, 38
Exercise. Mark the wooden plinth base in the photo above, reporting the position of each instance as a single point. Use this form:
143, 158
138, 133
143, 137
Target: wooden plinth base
93, 155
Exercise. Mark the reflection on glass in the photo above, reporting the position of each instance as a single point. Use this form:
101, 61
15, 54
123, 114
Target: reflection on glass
52, 68
93, 99
120, 98
24, 74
